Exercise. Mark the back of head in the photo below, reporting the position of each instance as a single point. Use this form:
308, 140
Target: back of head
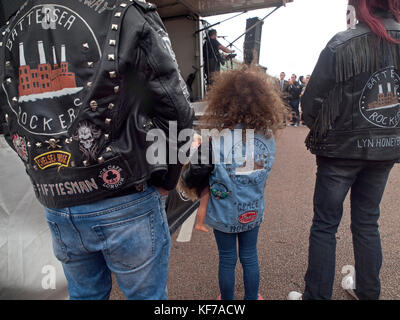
245, 97
212, 32
367, 10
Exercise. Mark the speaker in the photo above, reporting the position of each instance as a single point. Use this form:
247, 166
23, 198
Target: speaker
252, 41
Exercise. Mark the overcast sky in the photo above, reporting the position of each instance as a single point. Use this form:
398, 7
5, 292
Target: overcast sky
293, 36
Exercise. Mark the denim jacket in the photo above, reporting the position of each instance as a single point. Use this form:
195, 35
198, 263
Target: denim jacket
237, 187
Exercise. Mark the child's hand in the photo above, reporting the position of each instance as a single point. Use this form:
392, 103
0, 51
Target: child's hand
202, 210
200, 227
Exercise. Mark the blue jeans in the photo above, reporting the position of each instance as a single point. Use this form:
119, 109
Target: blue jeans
126, 235
248, 256
367, 181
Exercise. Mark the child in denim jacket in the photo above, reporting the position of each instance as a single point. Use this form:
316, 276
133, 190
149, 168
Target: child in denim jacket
230, 169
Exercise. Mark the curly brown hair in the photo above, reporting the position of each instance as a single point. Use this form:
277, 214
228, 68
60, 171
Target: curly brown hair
246, 97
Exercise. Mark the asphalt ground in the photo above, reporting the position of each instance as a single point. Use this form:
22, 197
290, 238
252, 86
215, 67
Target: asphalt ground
283, 237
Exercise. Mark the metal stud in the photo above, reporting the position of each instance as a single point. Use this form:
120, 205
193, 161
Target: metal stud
113, 74
68, 141
35, 167
93, 105
107, 121
6, 117
112, 42
89, 84
72, 163
29, 144
108, 149
15, 99
123, 5
111, 106
8, 64
3, 33
114, 27
85, 45
38, 144
1, 44
106, 137
116, 89
85, 163
100, 159
111, 57
117, 14
90, 64
8, 80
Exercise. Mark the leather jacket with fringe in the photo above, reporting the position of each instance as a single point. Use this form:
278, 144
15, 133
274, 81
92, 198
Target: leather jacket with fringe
351, 103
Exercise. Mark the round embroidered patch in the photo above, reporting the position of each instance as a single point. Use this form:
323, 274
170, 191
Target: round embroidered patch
219, 191
111, 177
379, 102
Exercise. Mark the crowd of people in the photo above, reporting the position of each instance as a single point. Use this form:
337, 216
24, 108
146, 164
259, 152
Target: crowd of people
291, 91
105, 200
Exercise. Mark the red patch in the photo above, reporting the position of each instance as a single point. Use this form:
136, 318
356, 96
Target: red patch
111, 177
247, 217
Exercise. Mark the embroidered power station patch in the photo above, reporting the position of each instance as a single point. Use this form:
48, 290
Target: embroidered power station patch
379, 102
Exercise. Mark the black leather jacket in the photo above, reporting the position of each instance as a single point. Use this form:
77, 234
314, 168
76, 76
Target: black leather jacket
294, 90
82, 82
351, 103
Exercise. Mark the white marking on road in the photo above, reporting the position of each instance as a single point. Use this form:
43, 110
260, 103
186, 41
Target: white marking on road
185, 234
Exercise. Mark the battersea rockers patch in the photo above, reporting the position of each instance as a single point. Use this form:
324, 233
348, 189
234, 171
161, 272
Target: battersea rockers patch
52, 43
379, 102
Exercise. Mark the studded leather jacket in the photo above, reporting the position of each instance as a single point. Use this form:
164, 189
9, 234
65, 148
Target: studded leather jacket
351, 103
82, 83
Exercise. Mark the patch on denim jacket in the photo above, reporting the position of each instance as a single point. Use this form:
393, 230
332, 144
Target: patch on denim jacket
248, 217
219, 191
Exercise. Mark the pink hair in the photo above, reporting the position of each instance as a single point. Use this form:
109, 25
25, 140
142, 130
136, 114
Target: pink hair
365, 10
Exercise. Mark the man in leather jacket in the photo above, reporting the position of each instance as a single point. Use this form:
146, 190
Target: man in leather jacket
82, 84
351, 105
294, 90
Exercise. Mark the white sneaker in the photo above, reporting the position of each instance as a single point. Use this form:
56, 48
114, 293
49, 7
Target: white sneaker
294, 295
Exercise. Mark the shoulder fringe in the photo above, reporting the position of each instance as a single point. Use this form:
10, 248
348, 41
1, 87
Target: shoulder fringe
367, 53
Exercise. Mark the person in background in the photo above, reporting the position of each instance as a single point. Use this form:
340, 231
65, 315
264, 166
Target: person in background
294, 91
232, 192
306, 80
346, 101
212, 56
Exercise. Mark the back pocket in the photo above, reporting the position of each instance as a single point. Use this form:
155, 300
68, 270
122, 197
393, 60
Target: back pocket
129, 243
